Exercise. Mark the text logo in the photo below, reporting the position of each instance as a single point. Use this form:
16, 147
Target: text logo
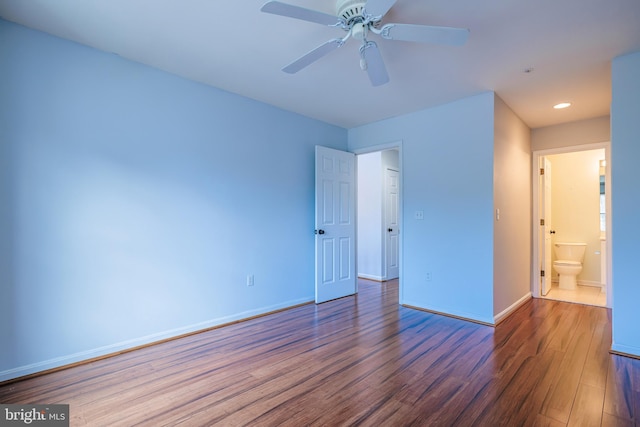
34, 415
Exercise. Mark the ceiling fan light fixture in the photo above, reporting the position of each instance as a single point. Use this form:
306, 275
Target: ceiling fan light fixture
562, 105
359, 18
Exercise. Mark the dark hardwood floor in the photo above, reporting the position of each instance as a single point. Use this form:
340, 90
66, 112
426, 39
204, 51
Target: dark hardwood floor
361, 360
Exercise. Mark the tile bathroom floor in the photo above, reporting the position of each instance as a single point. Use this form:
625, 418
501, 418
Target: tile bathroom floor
590, 295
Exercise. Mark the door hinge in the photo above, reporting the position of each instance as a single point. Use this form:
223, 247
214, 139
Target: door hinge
542, 222
541, 273
541, 171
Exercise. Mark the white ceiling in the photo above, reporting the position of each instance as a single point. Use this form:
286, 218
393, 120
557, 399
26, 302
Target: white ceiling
233, 46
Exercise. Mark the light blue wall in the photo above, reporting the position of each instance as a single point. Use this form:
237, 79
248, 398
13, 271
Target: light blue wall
133, 203
625, 202
447, 170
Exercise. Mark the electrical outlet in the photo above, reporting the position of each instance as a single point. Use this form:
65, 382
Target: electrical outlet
428, 276
250, 281
419, 215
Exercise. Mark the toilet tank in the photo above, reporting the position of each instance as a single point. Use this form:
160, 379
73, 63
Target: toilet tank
570, 251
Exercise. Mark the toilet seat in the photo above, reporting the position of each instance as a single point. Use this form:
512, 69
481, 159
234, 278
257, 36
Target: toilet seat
567, 263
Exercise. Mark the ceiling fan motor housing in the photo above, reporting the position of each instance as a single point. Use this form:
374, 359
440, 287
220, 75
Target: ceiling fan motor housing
350, 10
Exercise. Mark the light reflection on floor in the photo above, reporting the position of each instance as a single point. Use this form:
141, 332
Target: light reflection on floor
583, 295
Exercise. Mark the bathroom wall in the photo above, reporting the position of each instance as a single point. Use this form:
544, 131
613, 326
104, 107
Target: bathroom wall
575, 203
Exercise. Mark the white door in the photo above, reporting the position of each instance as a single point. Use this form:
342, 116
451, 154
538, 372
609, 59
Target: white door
392, 244
545, 230
335, 224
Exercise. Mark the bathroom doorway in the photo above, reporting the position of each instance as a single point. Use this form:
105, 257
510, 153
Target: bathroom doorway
572, 205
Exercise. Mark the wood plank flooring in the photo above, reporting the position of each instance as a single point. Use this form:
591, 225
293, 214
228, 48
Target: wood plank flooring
361, 360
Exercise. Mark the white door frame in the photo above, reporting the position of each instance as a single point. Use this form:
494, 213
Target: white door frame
545, 230
396, 145
535, 271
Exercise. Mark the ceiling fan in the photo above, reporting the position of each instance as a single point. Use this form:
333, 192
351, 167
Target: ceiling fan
359, 18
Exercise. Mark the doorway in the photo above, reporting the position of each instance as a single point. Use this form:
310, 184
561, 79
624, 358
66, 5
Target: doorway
571, 197
379, 214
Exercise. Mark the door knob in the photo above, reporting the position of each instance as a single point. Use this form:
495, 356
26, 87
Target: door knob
319, 232
390, 230
552, 231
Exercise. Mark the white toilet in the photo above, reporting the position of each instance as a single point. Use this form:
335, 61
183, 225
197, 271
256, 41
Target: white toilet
568, 263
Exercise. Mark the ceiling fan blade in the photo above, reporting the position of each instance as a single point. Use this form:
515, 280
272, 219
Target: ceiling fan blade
425, 34
373, 63
313, 56
378, 7
291, 11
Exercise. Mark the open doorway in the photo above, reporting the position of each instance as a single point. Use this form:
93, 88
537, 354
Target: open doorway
572, 198
378, 207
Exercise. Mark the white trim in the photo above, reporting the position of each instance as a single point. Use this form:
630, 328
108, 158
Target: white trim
535, 159
371, 277
470, 317
627, 350
513, 307
69, 359
379, 147
589, 283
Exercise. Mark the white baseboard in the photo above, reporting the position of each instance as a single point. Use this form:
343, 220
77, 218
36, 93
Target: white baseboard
469, 317
513, 307
371, 277
589, 283
583, 283
625, 350
58, 362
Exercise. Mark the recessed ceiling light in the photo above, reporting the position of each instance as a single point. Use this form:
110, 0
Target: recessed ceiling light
562, 105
